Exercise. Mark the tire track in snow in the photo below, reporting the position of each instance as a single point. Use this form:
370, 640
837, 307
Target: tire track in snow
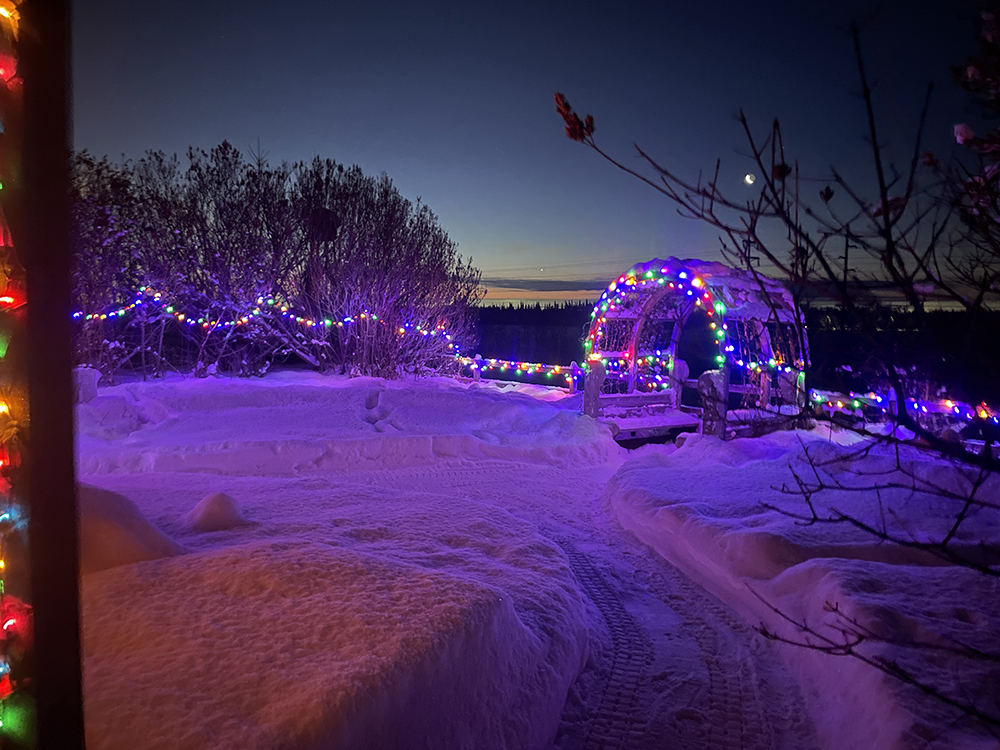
751, 702
613, 724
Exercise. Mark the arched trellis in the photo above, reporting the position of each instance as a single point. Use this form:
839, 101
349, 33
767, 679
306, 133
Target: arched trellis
639, 320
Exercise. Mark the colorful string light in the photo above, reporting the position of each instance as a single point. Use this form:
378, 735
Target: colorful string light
147, 295
854, 403
16, 706
506, 368
652, 371
14, 613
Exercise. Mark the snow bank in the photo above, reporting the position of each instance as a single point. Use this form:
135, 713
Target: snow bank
461, 533
114, 532
703, 507
713, 495
308, 646
954, 611
302, 422
217, 512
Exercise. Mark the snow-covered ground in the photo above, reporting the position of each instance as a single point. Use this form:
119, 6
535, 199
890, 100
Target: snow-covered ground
305, 561
306, 609
390, 565
704, 508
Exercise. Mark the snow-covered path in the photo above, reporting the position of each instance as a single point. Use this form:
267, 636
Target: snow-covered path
675, 667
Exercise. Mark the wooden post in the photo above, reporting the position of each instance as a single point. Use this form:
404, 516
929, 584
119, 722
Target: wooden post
679, 372
792, 388
44, 62
713, 387
592, 389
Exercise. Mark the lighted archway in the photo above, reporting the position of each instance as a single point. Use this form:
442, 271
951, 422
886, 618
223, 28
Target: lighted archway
638, 321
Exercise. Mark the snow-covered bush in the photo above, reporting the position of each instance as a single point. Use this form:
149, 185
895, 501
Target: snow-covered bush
238, 263
380, 269
104, 240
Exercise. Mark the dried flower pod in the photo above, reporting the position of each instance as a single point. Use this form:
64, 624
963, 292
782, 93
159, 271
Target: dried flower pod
780, 171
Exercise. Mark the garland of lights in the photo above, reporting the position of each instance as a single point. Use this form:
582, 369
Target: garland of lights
502, 366
855, 403
16, 625
656, 364
147, 296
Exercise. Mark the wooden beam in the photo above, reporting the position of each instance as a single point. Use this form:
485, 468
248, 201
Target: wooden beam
44, 61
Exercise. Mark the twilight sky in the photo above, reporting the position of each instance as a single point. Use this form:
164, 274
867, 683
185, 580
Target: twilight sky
454, 102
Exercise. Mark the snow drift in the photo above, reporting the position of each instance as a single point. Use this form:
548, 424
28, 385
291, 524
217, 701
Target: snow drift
217, 512
298, 422
114, 532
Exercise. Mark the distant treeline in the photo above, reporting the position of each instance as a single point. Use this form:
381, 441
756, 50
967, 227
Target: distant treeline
939, 347
534, 333
558, 313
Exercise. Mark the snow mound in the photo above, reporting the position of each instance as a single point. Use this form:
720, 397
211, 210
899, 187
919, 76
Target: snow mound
705, 449
730, 515
888, 428
217, 512
114, 532
308, 646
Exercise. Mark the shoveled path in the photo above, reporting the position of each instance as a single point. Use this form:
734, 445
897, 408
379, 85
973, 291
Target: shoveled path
670, 665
